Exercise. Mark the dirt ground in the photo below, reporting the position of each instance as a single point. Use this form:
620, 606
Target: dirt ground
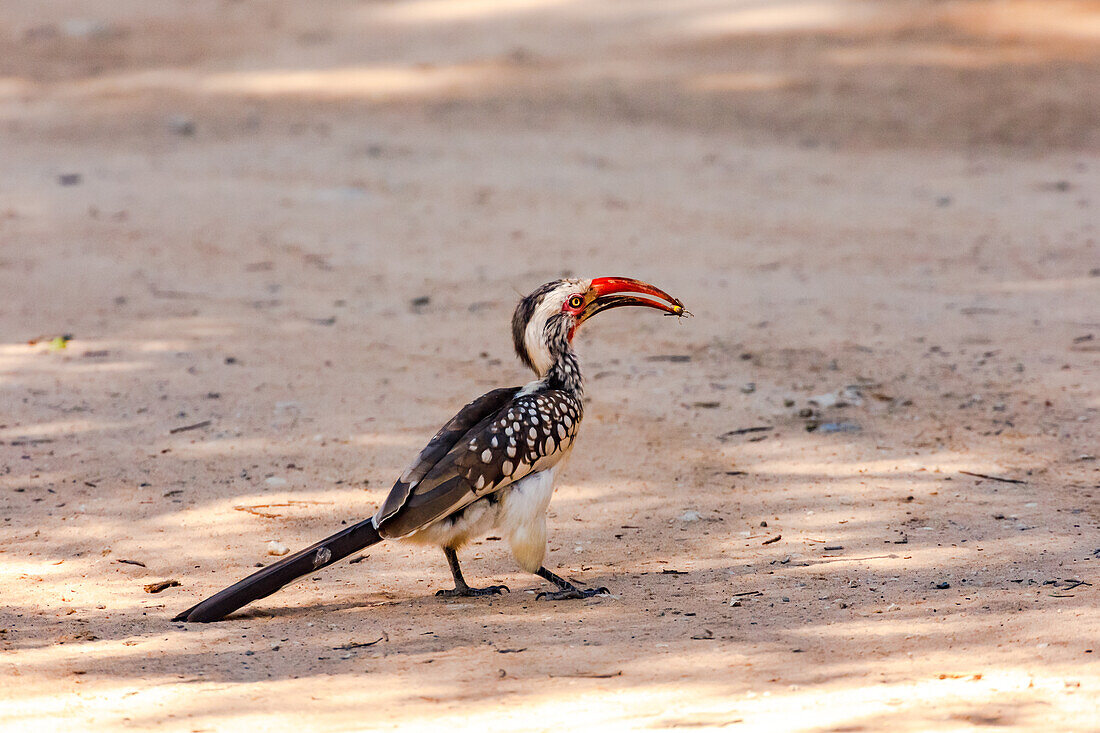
303, 227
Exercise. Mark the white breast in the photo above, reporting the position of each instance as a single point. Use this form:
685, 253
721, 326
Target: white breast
520, 512
523, 517
475, 521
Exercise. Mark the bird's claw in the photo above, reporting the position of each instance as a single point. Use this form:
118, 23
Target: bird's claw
492, 590
571, 593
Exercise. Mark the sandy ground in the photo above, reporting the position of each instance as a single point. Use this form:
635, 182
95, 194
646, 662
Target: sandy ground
232, 207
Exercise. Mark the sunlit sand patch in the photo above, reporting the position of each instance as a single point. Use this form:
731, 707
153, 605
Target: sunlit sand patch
22, 349
92, 367
1047, 285
81, 356
157, 345
343, 82
225, 446
58, 428
775, 17
13, 86
447, 11
1065, 19
932, 54
739, 82
872, 628
13, 568
667, 705
927, 468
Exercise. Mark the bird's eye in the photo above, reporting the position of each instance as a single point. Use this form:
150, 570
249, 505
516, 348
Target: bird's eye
576, 302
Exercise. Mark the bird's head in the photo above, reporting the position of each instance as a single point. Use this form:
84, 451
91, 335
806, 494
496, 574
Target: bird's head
546, 320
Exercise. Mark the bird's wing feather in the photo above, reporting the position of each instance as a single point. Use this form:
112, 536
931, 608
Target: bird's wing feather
524, 433
441, 443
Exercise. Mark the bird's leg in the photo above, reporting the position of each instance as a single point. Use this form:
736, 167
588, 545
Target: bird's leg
566, 590
461, 589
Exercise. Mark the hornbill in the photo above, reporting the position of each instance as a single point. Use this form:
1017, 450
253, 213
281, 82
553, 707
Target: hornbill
492, 465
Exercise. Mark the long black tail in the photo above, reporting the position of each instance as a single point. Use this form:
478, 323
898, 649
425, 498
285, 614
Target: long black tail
263, 583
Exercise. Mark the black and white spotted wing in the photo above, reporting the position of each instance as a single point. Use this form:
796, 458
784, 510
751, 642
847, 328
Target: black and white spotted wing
450, 435
526, 433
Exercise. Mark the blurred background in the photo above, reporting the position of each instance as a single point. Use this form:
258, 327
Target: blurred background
254, 253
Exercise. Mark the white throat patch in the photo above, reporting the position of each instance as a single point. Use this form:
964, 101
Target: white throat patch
534, 335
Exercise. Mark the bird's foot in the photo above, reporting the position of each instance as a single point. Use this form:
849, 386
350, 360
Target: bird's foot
570, 593
468, 592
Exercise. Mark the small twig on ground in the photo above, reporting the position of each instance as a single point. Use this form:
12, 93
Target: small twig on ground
824, 560
994, 478
254, 509
184, 428
592, 675
139, 563
357, 644
161, 585
744, 431
772, 540
168, 294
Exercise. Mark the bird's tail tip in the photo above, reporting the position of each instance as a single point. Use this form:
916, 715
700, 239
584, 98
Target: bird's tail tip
266, 581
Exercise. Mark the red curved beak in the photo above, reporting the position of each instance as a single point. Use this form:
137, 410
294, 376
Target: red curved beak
606, 293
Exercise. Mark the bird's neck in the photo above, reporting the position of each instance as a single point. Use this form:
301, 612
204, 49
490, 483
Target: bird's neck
547, 347
565, 371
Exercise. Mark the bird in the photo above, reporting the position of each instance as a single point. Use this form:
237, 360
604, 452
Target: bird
493, 465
